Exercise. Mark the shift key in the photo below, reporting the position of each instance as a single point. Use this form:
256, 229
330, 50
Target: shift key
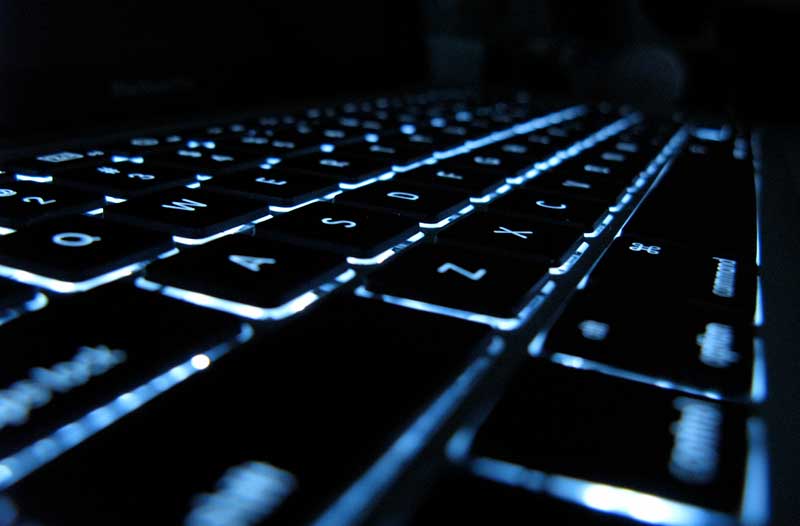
288, 421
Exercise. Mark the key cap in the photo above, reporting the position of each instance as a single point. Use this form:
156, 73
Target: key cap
74, 251
206, 162
184, 212
288, 400
635, 330
276, 185
472, 281
677, 275
716, 211
49, 163
394, 154
22, 203
599, 429
81, 351
474, 182
343, 167
262, 273
513, 236
13, 294
465, 499
123, 180
340, 228
429, 205
539, 205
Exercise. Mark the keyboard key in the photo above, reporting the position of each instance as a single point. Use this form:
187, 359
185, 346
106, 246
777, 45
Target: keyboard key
123, 180
717, 207
13, 294
76, 250
206, 162
429, 205
277, 186
51, 162
317, 400
472, 281
513, 236
258, 272
677, 275
547, 206
344, 229
475, 182
590, 427
464, 499
344, 168
83, 350
633, 329
22, 203
184, 212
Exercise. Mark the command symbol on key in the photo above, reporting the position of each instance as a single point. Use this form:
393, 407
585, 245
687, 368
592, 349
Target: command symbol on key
638, 247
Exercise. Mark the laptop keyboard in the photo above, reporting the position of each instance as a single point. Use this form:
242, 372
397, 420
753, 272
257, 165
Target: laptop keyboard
415, 310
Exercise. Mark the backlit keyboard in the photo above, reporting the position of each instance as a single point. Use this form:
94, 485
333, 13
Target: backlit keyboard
426, 309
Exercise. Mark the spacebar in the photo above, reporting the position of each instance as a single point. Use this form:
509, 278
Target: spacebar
276, 430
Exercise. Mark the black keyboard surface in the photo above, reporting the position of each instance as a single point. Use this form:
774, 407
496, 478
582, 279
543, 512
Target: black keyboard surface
421, 309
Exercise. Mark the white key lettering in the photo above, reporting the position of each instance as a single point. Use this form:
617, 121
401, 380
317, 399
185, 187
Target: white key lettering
270, 181
251, 263
544, 204
695, 455
490, 161
403, 195
334, 163
7, 192
522, 234
344, 222
594, 330
716, 346
474, 276
187, 205
449, 175
41, 201
74, 239
638, 247
59, 157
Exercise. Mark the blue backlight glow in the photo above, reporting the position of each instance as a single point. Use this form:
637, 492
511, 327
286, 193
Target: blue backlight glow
30, 458
239, 228
233, 307
502, 324
577, 362
34, 178
355, 501
284, 209
69, 287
